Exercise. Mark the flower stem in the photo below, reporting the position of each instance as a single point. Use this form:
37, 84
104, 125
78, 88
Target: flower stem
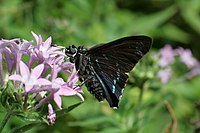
43, 101
25, 100
140, 95
1, 71
5, 120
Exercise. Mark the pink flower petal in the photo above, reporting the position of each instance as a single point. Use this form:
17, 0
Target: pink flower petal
73, 74
56, 48
59, 53
9, 60
43, 81
15, 77
67, 91
79, 89
51, 115
164, 75
59, 60
59, 81
25, 45
47, 43
36, 37
167, 56
24, 70
58, 100
4, 44
194, 72
187, 57
80, 96
15, 46
67, 65
28, 87
37, 71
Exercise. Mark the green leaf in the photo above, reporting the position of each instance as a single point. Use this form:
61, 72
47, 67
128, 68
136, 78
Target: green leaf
190, 12
6, 96
151, 22
67, 110
154, 116
175, 33
113, 130
31, 117
24, 128
93, 121
3, 97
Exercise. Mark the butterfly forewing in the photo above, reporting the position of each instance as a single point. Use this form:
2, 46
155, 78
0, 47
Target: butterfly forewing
113, 60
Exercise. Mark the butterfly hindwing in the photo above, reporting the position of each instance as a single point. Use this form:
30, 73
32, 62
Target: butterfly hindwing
113, 83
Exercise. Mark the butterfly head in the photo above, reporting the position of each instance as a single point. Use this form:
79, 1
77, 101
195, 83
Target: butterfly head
71, 51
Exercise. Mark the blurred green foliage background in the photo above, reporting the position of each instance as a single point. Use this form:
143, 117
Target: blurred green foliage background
89, 22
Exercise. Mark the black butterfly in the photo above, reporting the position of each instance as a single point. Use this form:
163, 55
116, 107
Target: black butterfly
104, 68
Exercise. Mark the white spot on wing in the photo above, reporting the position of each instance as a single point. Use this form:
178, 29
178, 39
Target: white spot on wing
115, 81
113, 89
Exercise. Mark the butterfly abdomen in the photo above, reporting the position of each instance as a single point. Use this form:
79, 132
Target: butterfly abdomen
92, 84
94, 87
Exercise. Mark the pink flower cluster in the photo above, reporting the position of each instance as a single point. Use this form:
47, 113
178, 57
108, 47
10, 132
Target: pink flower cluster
167, 56
35, 69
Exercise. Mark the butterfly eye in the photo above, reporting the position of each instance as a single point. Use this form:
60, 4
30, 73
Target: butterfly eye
71, 51
82, 50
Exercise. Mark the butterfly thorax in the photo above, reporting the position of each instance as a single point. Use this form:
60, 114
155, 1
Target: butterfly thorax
85, 70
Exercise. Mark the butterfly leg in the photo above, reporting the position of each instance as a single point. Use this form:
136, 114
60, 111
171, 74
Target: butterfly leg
79, 85
83, 82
